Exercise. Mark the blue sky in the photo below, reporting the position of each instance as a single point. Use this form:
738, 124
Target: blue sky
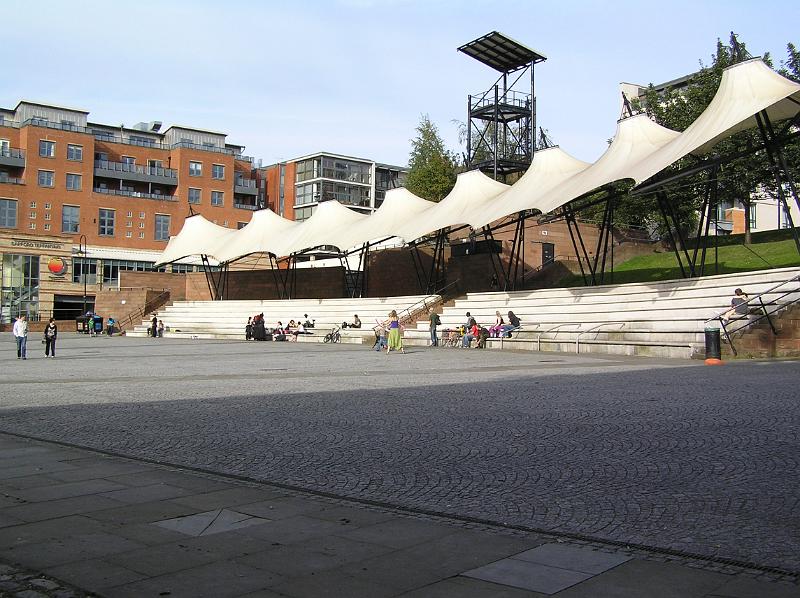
353, 76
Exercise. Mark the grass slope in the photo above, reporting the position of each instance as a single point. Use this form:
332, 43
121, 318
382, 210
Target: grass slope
734, 258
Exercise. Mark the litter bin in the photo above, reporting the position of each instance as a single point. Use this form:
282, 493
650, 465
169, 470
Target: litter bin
82, 325
713, 346
98, 325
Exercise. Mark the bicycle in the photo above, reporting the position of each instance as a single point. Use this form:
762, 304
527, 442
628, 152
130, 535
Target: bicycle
333, 336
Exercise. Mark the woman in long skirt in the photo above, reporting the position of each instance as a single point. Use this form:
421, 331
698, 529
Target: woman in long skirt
395, 340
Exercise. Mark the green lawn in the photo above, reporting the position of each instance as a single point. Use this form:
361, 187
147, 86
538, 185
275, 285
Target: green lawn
735, 258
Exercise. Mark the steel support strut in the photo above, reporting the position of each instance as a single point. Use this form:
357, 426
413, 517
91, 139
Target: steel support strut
780, 169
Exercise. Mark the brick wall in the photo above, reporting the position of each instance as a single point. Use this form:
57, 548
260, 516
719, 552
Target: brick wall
174, 283
318, 283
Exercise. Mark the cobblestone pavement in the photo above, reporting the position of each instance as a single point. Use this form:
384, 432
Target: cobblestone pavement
667, 454
20, 583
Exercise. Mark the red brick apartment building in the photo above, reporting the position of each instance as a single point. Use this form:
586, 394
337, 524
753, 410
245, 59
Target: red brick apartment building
80, 201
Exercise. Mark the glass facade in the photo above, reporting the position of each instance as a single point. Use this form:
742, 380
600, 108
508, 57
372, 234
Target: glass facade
20, 288
112, 268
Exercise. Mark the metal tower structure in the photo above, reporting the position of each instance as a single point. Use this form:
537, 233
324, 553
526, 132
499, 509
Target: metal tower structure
501, 122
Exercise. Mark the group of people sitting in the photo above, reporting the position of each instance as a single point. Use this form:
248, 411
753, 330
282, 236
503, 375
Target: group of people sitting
256, 329
472, 331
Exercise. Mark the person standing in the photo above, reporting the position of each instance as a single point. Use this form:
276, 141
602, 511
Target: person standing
154, 326
111, 323
21, 336
248, 329
50, 336
435, 321
395, 340
160, 328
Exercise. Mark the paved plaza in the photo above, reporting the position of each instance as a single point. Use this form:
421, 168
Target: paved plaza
656, 460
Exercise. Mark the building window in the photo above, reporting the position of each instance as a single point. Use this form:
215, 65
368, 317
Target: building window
46, 178
47, 216
753, 212
47, 149
129, 224
106, 222
130, 214
194, 195
47, 206
218, 171
75, 152
128, 160
8, 213
83, 268
128, 234
46, 227
217, 198
182, 268
32, 215
70, 217
32, 226
162, 227
141, 235
195, 168
74, 182
141, 215
33, 205
141, 225
240, 225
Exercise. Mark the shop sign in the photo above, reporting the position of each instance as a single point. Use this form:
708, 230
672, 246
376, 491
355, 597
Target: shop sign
57, 266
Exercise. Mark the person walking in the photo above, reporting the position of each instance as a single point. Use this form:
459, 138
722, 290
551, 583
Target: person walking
21, 336
435, 321
395, 340
50, 336
154, 326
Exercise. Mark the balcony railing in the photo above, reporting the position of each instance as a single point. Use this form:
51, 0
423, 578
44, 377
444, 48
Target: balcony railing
111, 138
136, 169
245, 206
11, 180
12, 152
245, 183
138, 194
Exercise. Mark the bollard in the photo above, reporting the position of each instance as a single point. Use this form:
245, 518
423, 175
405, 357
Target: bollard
713, 347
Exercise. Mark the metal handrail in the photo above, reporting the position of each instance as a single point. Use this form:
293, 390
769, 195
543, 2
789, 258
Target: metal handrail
594, 329
149, 306
745, 319
549, 330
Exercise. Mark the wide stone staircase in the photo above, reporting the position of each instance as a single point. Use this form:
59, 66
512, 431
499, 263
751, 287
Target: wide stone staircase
227, 319
661, 319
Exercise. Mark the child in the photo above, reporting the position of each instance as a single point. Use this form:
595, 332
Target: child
381, 342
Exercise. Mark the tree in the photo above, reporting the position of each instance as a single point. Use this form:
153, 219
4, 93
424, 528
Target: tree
432, 169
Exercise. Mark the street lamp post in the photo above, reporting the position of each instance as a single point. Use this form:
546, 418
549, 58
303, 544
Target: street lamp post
82, 251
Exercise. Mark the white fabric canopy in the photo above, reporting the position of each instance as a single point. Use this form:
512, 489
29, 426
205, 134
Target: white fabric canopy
263, 234
399, 206
746, 89
472, 190
326, 226
197, 237
639, 150
550, 168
